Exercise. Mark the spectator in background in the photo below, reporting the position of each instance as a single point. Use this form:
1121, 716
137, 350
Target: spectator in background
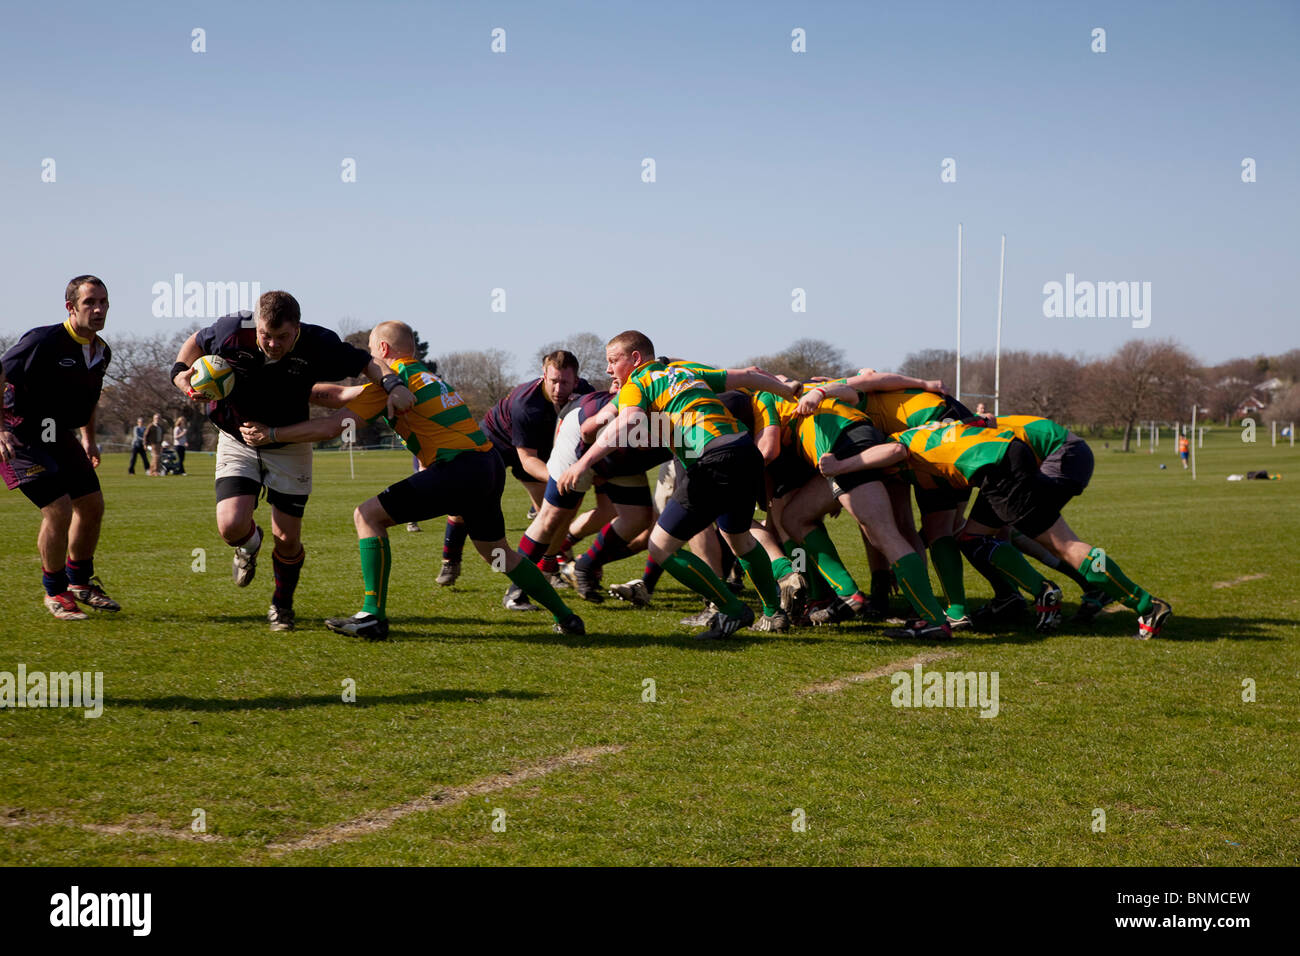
154, 439
180, 441
138, 434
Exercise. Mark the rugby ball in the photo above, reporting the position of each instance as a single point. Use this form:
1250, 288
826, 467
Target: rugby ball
213, 377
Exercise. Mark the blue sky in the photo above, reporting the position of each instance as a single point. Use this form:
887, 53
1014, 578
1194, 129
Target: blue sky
774, 170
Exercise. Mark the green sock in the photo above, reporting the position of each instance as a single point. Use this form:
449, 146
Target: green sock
947, 564
822, 551
1012, 563
915, 584
759, 571
1044, 557
526, 575
696, 575
781, 567
376, 562
1101, 570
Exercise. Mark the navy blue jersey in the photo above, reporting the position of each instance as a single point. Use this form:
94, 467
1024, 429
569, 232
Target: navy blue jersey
48, 377
526, 418
275, 393
622, 461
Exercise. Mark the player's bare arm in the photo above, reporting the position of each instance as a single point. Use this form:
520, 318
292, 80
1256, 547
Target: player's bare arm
315, 429
592, 426
400, 398
810, 399
8, 445
878, 456
869, 380
188, 355
601, 447
768, 441
87, 436
328, 395
755, 378
535, 466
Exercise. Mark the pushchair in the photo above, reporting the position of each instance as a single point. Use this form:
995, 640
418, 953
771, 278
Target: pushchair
168, 463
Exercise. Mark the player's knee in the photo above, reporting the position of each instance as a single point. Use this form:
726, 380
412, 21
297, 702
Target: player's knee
977, 547
371, 514
58, 511
89, 507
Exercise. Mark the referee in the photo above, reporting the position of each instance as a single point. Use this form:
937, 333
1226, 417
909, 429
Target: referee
51, 380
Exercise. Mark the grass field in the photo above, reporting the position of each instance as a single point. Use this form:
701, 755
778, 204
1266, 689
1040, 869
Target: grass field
474, 716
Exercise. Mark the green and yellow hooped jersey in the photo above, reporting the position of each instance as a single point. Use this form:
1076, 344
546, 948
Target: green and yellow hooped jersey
952, 452
816, 434
1043, 435
903, 408
439, 426
686, 394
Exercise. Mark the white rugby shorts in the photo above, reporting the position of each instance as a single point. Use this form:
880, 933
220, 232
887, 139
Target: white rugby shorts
286, 470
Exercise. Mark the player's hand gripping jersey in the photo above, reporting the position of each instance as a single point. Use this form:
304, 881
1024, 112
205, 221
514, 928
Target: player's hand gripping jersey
1043, 435
686, 395
815, 435
899, 409
438, 428
951, 453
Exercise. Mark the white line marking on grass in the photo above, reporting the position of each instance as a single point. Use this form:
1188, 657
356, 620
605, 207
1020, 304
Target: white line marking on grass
441, 800
10, 817
830, 687
1248, 577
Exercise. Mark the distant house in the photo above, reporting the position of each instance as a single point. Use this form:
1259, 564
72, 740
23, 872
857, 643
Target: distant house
1251, 406
1271, 386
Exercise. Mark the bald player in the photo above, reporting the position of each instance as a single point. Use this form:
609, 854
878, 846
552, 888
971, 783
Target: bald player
461, 473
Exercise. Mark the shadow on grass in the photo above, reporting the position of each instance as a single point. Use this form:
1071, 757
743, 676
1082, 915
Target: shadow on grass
448, 695
1182, 627
540, 633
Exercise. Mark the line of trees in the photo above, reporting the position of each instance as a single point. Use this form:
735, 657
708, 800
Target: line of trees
1141, 381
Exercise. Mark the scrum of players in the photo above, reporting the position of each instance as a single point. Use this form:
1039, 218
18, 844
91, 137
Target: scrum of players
727, 442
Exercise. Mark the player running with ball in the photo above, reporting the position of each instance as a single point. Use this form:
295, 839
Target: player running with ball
461, 472
277, 359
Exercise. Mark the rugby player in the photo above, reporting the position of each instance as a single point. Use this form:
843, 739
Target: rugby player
620, 483
276, 359
50, 381
894, 403
724, 470
757, 412
1065, 464
461, 471
830, 431
1013, 492
522, 428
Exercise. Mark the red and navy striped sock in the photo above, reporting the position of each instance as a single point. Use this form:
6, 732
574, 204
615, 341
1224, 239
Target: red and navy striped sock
533, 551
650, 576
608, 546
80, 572
56, 582
570, 540
453, 540
286, 577
550, 564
